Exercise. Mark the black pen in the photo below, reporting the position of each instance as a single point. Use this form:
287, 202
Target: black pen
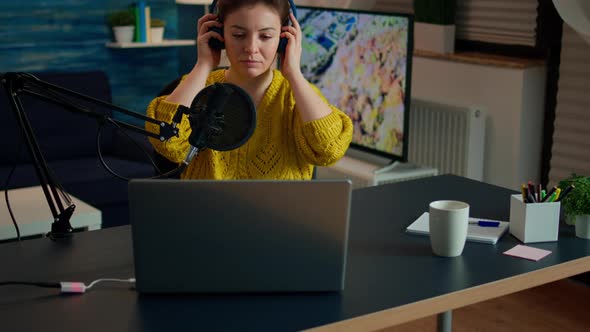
550, 193
530, 198
565, 192
531, 187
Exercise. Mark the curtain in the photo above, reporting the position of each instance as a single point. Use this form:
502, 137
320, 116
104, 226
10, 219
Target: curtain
510, 22
497, 21
571, 137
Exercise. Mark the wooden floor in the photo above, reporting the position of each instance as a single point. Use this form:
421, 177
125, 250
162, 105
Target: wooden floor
559, 306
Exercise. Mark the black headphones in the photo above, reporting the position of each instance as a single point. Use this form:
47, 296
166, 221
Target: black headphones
214, 43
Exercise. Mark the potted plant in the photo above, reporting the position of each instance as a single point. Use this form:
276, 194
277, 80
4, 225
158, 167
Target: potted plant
123, 24
576, 204
434, 26
157, 29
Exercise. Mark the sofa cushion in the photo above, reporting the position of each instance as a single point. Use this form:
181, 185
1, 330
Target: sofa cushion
86, 171
87, 180
60, 133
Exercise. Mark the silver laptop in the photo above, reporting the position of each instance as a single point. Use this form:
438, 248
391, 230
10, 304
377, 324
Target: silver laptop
201, 236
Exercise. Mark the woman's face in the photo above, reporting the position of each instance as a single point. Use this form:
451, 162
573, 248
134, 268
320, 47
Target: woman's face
251, 39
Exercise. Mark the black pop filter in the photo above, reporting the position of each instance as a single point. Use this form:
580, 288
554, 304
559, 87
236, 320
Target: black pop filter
222, 117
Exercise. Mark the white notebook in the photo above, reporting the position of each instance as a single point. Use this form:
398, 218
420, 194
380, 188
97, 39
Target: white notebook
475, 233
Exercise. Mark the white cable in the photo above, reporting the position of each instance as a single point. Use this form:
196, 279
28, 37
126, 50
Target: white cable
130, 280
80, 287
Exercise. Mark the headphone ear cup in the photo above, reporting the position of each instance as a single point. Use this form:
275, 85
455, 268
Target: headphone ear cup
282, 45
215, 43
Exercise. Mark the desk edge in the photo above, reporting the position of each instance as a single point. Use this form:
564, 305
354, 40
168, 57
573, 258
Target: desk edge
424, 308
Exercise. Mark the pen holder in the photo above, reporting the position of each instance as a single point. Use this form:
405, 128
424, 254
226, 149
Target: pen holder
534, 222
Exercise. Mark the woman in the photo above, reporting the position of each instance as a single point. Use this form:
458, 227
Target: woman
296, 127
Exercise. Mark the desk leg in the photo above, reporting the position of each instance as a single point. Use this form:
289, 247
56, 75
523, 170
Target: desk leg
445, 321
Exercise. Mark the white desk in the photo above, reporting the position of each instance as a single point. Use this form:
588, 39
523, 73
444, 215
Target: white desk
34, 217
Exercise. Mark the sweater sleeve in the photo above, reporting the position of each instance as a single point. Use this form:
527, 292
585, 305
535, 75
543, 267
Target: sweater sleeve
176, 148
324, 141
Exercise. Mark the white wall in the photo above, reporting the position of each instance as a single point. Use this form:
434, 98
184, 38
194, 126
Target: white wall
514, 101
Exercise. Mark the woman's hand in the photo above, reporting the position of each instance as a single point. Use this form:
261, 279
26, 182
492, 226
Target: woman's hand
208, 60
206, 56
308, 103
291, 59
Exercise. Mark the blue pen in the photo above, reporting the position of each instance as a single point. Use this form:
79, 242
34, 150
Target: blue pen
485, 223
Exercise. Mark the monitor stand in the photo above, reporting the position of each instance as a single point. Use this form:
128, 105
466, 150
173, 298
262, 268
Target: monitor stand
382, 164
397, 166
366, 169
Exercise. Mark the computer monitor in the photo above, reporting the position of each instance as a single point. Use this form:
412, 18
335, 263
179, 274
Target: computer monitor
362, 61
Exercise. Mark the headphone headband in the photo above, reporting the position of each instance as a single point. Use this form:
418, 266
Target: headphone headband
216, 44
292, 7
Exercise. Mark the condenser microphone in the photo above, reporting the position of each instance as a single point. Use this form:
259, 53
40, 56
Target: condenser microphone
222, 117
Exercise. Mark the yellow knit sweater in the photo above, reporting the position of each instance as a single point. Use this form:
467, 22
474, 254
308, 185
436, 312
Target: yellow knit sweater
281, 147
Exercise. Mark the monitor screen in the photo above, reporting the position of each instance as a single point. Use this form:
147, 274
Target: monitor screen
361, 61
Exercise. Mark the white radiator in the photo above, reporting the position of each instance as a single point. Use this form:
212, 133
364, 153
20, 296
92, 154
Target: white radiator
448, 138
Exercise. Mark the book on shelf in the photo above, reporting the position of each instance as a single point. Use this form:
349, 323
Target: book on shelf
142, 22
148, 24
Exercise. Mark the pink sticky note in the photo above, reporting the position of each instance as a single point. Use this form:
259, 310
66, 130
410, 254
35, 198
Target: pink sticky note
527, 252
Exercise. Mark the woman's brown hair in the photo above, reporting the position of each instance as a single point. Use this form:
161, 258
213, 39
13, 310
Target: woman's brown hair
226, 7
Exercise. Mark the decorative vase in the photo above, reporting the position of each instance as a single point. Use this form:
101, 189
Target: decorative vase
583, 226
157, 34
434, 26
437, 38
124, 34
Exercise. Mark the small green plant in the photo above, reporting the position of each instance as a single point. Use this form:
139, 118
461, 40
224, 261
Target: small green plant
157, 23
577, 202
435, 11
121, 18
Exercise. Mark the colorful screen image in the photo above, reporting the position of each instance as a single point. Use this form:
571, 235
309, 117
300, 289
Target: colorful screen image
361, 62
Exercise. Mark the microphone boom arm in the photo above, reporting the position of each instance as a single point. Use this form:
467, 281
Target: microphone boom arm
16, 84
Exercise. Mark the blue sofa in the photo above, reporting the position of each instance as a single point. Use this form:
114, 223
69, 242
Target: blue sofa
68, 142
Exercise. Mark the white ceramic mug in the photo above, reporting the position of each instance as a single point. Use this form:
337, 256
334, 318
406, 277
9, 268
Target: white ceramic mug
448, 222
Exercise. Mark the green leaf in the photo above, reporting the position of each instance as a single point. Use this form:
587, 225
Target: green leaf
577, 202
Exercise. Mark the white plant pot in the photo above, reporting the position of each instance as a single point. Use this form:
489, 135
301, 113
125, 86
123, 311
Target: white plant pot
124, 34
157, 34
435, 38
583, 226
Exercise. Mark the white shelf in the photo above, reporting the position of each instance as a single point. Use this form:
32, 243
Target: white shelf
164, 43
34, 215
